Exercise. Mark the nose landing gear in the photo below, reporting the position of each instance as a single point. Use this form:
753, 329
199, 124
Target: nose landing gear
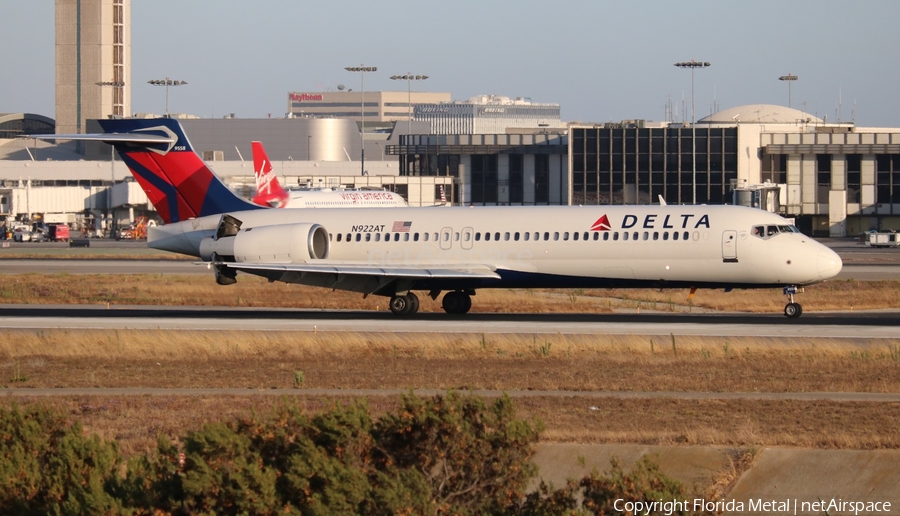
792, 309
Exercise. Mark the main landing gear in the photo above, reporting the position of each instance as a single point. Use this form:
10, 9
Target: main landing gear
792, 309
457, 302
405, 305
454, 302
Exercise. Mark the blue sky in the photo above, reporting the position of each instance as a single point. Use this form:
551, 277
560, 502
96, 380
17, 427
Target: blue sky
600, 60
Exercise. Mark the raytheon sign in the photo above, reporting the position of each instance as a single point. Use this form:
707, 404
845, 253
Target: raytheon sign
305, 97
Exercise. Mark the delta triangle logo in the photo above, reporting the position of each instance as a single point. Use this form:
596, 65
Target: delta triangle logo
602, 224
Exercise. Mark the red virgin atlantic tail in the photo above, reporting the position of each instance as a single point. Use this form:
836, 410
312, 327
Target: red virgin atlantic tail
268, 190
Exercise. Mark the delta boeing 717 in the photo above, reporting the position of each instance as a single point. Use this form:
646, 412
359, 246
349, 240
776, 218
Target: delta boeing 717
454, 252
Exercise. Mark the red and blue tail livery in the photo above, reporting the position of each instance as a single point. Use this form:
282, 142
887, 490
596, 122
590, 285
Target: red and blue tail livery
175, 179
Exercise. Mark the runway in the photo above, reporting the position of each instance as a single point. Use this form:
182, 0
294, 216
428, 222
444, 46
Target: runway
858, 325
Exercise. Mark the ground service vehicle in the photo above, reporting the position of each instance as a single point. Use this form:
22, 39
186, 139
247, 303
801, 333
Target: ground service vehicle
58, 233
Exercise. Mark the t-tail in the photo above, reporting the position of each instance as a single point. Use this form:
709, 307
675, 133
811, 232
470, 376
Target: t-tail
159, 155
268, 190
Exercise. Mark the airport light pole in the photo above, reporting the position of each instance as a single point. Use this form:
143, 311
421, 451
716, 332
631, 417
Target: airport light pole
408, 78
362, 69
789, 78
167, 82
693, 65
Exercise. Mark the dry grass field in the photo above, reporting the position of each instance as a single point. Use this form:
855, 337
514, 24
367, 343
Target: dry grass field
136, 421
345, 360
569, 363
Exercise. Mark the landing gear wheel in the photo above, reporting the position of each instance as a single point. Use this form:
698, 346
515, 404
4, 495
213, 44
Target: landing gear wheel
456, 302
413, 303
404, 305
793, 310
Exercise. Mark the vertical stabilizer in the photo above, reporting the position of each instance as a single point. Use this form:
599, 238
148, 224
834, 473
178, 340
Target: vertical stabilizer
268, 190
178, 183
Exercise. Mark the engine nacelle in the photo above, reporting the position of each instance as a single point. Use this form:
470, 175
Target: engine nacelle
281, 243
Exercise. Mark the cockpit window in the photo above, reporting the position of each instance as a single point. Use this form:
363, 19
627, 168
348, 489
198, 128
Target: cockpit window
770, 231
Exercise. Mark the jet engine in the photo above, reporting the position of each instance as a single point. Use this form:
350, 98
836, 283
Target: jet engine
280, 243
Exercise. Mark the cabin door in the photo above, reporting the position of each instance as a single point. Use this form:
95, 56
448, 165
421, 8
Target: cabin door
729, 246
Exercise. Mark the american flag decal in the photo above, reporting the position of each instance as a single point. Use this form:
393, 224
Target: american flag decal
401, 226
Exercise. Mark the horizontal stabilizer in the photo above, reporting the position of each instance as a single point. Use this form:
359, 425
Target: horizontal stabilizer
107, 137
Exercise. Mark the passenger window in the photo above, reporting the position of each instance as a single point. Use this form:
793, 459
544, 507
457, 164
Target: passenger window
497, 235
378, 237
686, 236
575, 236
665, 235
606, 235
368, 237
634, 236
527, 235
616, 235
467, 236
546, 235
487, 237
339, 237
446, 237
424, 237
406, 237
396, 237
537, 236
456, 236
596, 236
674, 235
585, 235
516, 236
566, 235
646, 235
506, 236
624, 235
358, 237
477, 237
656, 235
416, 237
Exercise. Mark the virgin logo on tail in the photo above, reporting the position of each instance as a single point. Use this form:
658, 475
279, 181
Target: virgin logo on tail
602, 224
268, 190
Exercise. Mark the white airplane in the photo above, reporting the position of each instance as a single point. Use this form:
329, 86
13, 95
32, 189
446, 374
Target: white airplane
394, 252
269, 191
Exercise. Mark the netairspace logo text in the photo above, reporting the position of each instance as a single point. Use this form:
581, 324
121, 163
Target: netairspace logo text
759, 505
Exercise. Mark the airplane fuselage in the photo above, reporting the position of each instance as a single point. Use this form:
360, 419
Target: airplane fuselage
597, 246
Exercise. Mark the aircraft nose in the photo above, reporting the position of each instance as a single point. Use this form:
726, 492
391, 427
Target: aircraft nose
829, 264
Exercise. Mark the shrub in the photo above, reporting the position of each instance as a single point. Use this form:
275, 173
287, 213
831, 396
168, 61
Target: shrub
475, 458
48, 466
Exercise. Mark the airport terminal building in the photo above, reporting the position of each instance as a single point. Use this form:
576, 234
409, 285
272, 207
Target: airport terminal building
834, 179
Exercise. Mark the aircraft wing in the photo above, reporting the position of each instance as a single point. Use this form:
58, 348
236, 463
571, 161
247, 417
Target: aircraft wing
389, 271
355, 277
